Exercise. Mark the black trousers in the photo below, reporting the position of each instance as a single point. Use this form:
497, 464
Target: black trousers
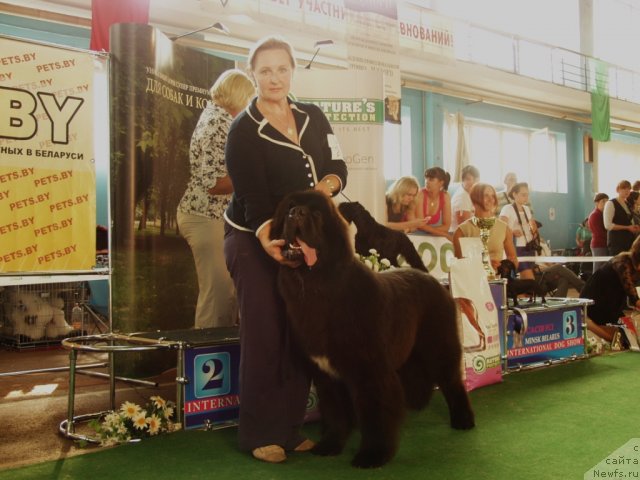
274, 383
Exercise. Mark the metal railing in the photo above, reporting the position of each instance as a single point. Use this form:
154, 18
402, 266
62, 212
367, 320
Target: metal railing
553, 64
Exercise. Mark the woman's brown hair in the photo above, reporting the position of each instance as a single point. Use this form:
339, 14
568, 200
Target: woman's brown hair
272, 42
477, 194
440, 174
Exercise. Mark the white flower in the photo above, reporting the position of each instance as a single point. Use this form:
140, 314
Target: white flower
154, 423
112, 419
374, 262
140, 420
130, 409
168, 412
159, 402
131, 421
109, 442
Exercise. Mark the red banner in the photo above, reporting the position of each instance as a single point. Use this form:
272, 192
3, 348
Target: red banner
104, 13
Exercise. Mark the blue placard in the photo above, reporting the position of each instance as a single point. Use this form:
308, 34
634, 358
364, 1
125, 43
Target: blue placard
212, 392
552, 334
211, 374
570, 324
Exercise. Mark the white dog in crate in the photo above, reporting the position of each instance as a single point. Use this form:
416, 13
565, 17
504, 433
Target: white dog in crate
33, 316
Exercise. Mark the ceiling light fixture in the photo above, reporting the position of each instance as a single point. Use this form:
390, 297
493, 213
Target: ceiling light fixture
318, 45
217, 25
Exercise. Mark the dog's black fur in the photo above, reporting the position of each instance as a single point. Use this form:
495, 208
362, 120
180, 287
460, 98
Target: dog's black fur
371, 234
518, 286
381, 341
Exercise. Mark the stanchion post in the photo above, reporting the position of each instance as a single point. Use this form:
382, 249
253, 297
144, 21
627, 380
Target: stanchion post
585, 337
505, 323
180, 385
112, 378
73, 355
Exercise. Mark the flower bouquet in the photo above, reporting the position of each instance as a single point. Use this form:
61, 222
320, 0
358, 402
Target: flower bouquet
132, 422
374, 262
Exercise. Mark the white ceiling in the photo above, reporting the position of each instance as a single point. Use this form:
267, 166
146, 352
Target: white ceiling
431, 72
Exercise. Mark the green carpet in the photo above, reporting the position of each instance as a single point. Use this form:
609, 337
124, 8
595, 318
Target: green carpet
551, 423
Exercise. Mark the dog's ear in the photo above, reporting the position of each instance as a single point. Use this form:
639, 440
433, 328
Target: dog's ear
346, 210
336, 228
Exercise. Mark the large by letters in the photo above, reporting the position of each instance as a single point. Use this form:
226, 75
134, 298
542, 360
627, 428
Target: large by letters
21, 123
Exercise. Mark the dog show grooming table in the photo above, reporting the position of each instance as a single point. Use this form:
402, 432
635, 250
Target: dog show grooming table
110, 343
543, 334
207, 372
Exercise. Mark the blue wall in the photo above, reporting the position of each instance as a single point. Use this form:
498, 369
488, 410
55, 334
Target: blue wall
47, 32
427, 113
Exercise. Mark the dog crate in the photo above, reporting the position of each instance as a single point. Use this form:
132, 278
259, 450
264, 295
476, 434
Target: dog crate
42, 315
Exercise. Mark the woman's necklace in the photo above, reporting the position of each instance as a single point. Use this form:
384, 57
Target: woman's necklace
285, 124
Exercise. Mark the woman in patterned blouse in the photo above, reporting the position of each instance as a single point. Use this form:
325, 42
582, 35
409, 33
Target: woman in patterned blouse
613, 289
200, 212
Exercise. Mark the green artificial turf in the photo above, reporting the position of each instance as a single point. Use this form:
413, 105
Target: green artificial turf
551, 423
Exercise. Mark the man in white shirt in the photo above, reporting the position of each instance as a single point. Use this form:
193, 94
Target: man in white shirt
461, 205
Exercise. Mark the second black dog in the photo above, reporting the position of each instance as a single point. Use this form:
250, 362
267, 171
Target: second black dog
371, 234
519, 286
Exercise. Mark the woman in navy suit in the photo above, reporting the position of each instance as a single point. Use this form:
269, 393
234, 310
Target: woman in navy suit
276, 146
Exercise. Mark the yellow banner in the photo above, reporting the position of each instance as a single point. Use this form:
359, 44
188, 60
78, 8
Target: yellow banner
47, 165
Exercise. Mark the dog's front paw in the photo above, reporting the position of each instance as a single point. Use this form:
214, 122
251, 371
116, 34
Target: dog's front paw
327, 448
371, 458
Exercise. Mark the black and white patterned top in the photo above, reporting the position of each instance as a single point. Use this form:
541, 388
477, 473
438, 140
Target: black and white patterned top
206, 163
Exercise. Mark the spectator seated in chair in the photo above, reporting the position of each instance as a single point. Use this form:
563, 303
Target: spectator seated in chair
554, 278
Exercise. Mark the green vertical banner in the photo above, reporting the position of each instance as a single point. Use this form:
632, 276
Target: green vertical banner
600, 113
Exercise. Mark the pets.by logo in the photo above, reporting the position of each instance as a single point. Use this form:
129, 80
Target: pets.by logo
212, 374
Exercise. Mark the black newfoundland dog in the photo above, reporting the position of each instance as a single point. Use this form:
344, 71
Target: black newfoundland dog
381, 341
371, 234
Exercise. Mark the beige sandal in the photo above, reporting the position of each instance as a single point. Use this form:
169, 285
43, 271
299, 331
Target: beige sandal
270, 454
305, 446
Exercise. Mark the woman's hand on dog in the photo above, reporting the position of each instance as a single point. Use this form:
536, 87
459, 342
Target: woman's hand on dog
329, 185
274, 247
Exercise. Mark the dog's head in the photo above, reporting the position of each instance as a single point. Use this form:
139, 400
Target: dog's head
314, 232
507, 269
354, 212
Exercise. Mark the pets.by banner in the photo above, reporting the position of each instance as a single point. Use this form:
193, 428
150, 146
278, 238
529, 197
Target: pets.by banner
48, 156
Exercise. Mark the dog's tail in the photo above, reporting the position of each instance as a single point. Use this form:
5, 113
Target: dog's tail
412, 257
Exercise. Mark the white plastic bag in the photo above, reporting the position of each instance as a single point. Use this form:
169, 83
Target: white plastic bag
478, 316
